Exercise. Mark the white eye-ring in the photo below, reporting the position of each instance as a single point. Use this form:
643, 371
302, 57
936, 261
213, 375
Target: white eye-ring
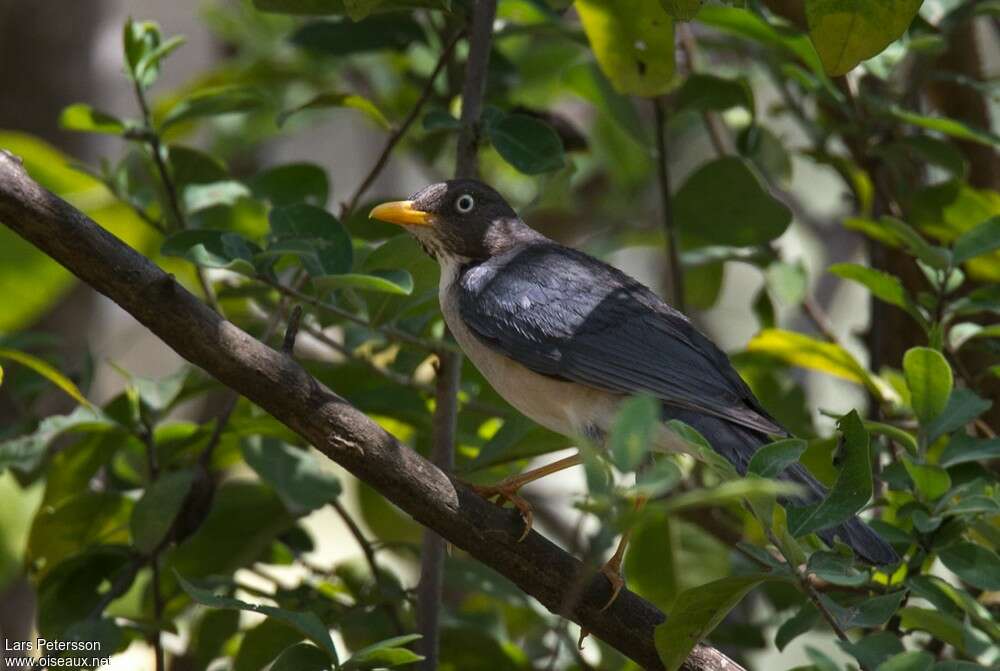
465, 203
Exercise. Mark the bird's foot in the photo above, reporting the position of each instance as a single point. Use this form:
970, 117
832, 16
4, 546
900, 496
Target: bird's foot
505, 491
613, 572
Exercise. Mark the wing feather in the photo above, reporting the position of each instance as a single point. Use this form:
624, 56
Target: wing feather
564, 314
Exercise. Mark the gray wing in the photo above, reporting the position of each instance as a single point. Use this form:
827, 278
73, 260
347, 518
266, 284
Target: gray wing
564, 314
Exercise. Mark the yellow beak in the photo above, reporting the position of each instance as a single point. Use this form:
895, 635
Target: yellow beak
401, 212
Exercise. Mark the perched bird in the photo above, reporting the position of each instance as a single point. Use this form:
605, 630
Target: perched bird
564, 338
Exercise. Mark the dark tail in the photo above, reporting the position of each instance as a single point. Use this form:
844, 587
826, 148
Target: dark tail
738, 444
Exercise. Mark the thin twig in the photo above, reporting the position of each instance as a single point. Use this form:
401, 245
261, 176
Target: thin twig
154, 564
388, 331
369, 552
666, 204
152, 138
292, 331
396, 136
429, 590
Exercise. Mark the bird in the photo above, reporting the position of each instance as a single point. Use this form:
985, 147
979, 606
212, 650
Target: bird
566, 338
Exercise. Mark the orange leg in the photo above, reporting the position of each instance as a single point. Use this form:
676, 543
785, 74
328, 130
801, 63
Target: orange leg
506, 490
613, 568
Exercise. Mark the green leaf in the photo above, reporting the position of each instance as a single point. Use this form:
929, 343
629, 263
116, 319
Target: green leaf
682, 10
974, 564
884, 286
76, 525
803, 621
336, 99
946, 126
911, 660
243, 521
84, 118
340, 38
398, 282
387, 654
154, 513
302, 481
359, 9
213, 249
301, 657
701, 92
771, 460
46, 370
931, 481
802, 350
962, 449
849, 493
632, 432
199, 197
846, 32
190, 166
149, 65
650, 566
929, 379
291, 183
836, 569
261, 644
527, 143
25, 452
787, 282
964, 405
724, 203
940, 625
633, 41
307, 624
871, 612
696, 613
314, 235
873, 649
982, 239
140, 38
212, 102
732, 491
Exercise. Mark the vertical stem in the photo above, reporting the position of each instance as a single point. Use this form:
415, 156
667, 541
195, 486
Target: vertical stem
429, 591
152, 138
157, 612
663, 172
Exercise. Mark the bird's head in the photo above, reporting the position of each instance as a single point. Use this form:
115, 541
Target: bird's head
461, 219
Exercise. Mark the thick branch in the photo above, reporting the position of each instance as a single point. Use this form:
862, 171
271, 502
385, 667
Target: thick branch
280, 386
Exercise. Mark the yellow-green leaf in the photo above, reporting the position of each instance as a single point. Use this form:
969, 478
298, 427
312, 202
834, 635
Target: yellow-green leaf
801, 350
846, 32
633, 41
47, 371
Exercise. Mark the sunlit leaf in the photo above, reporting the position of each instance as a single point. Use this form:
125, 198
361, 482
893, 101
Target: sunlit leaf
846, 32
337, 99
82, 117
633, 41
929, 378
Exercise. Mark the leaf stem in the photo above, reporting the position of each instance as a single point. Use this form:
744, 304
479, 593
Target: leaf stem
152, 139
666, 204
396, 136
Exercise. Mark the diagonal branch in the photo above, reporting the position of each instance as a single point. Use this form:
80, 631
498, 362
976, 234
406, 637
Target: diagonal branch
343, 433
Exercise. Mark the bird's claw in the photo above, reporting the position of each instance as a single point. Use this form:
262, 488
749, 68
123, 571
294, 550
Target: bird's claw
508, 492
612, 571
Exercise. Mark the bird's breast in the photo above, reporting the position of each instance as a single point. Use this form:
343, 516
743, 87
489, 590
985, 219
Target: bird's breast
564, 407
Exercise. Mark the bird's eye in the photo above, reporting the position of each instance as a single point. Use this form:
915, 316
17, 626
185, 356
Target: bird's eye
465, 203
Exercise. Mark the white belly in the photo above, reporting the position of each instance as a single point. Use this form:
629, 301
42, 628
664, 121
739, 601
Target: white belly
564, 407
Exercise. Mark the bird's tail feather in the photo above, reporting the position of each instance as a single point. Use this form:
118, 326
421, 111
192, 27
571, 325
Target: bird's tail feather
738, 444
